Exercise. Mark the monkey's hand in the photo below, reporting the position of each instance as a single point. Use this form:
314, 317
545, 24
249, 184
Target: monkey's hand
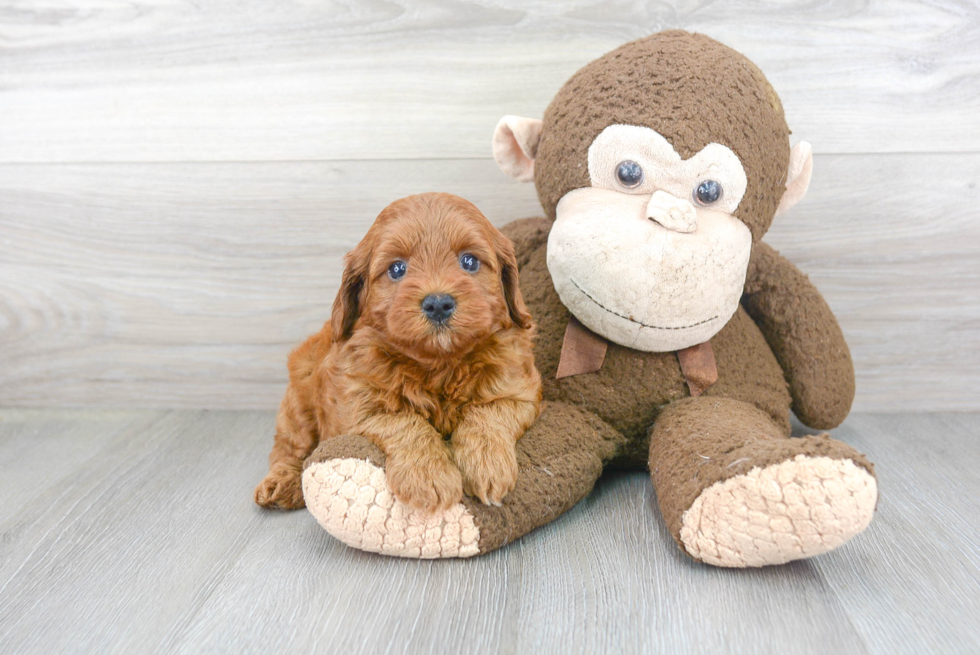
804, 335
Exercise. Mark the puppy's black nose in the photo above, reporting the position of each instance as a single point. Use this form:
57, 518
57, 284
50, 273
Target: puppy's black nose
438, 307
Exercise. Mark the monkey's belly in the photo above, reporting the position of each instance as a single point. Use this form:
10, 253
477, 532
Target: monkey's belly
632, 385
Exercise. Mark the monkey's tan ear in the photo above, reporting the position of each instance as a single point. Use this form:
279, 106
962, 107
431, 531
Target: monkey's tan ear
515, 145
798, 176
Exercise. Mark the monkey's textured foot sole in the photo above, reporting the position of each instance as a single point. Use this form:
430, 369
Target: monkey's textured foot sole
350, 498
798, 508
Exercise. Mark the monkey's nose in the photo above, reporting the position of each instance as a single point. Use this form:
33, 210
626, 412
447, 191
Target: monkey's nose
438, 307
672, 212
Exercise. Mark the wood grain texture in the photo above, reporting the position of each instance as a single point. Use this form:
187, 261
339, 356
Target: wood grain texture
176, 80
142, 537
926, 527
186, 285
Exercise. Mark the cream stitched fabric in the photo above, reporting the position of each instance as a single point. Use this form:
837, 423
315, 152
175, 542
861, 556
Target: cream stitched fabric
350, 498
795, 509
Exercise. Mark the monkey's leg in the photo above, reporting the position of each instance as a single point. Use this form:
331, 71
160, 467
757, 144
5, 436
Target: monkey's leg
559, 460
736, 491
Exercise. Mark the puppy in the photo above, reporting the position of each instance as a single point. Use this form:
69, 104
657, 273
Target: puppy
427, 353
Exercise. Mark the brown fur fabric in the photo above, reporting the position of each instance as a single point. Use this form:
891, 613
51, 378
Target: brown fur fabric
632, 385
605, 418
685, 457
782, 348
560, 458
676, 83
383, 369
804, 335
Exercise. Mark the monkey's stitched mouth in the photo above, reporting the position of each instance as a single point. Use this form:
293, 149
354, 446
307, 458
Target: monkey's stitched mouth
632, 320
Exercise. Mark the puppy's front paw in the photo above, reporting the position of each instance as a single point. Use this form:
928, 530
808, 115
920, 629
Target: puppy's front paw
489, 469
282, 487
428, 484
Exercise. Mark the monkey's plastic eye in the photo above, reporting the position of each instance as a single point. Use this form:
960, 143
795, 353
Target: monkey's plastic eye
468, 262
630, 173
397, 270
708, 192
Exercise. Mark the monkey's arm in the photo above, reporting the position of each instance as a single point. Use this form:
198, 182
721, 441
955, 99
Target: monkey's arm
804, 335
528, 234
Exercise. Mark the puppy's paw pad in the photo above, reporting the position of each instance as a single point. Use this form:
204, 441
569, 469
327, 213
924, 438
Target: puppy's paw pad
799, 508
367, 516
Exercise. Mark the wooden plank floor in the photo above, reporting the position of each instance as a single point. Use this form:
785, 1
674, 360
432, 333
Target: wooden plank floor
134, 531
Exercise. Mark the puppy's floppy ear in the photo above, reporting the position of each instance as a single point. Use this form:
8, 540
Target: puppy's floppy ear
347, 304
511, 282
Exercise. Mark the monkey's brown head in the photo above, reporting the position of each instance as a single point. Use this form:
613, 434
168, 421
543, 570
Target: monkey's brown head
661, 163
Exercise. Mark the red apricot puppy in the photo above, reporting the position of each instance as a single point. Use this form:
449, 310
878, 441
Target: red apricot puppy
427, 354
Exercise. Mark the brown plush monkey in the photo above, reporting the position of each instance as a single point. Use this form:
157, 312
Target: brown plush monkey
669, 336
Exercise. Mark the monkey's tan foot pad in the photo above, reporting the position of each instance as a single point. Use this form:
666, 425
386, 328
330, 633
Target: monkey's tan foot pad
350, 498
797, 508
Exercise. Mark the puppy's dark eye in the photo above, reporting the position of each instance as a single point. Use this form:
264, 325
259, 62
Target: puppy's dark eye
630, 173
708, 192
397, 270
468, 262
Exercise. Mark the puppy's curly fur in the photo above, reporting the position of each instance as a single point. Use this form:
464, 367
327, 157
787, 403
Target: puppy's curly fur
446, 400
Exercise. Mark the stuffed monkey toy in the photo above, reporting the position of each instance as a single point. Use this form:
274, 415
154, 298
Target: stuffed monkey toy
670, 337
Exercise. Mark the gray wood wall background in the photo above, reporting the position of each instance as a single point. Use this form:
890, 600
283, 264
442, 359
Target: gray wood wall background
179, 180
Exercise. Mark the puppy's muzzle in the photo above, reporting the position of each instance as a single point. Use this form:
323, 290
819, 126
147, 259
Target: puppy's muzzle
438, 307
